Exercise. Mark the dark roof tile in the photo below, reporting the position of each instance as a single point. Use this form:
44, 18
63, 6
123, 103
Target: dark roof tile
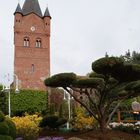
31, 6
47, 13
18, 9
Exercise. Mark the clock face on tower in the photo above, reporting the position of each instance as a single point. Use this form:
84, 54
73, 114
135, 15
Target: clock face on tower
32, 28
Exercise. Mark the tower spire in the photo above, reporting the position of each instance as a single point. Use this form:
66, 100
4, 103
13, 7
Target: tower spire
31, 6
18, 9
47, 13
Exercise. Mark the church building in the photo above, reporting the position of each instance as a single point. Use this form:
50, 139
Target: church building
32, 45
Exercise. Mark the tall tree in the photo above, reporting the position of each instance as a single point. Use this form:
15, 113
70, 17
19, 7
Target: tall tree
133, 57
111, 82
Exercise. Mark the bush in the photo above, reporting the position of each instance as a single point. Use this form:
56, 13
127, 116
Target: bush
82, 121
12, 128
131, 128
3, 101
30, 101
4, 129
7, 128
128, 129
2, 137
2, 117
27, 126
53, 122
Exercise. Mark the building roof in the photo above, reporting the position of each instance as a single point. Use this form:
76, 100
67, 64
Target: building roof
18, 9
31, 6
47, 13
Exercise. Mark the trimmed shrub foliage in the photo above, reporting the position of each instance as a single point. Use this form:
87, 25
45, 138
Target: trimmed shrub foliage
52, 122
2, 137
2, 117
7, 128
12, 128
107, 64
30, 101
64, 79
88, 82
4, 129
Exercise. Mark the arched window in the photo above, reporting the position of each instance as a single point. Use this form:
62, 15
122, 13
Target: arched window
38, 43
26, 42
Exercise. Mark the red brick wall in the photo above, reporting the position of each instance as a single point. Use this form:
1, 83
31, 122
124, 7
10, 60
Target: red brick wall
26, 56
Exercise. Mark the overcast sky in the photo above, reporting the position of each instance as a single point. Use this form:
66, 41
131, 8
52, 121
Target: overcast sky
81, 32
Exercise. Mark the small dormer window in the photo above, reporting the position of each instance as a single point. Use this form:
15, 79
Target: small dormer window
38, 43
26, 42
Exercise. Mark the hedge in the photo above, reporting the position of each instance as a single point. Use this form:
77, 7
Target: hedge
30, 101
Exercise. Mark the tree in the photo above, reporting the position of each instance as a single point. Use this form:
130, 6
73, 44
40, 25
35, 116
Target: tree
130, 57
133, 57
111, 82
2, 100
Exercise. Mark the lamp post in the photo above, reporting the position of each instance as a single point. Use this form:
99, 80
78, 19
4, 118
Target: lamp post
68, 98
17, 84
7, 90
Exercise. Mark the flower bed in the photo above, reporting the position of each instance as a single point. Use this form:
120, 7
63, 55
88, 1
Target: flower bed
126, 127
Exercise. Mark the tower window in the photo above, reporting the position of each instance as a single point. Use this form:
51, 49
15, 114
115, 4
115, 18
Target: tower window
17, 20
26, 42
38, 43
33, 68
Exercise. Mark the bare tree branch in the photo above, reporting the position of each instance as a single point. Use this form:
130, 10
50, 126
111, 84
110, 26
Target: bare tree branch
112, 113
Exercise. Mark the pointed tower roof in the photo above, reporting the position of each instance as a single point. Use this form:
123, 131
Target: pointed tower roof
31, 6
18, 9
47, 13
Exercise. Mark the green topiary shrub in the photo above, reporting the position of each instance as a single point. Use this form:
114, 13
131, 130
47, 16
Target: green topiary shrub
7, 128
12, 128
2, 137
53, 122
2, 117
4, 129
60, 79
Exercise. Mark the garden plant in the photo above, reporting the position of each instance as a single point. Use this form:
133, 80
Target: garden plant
7, 128
53, 122
27, 126
111, 82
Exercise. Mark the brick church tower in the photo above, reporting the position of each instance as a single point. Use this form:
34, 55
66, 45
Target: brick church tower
32, 45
